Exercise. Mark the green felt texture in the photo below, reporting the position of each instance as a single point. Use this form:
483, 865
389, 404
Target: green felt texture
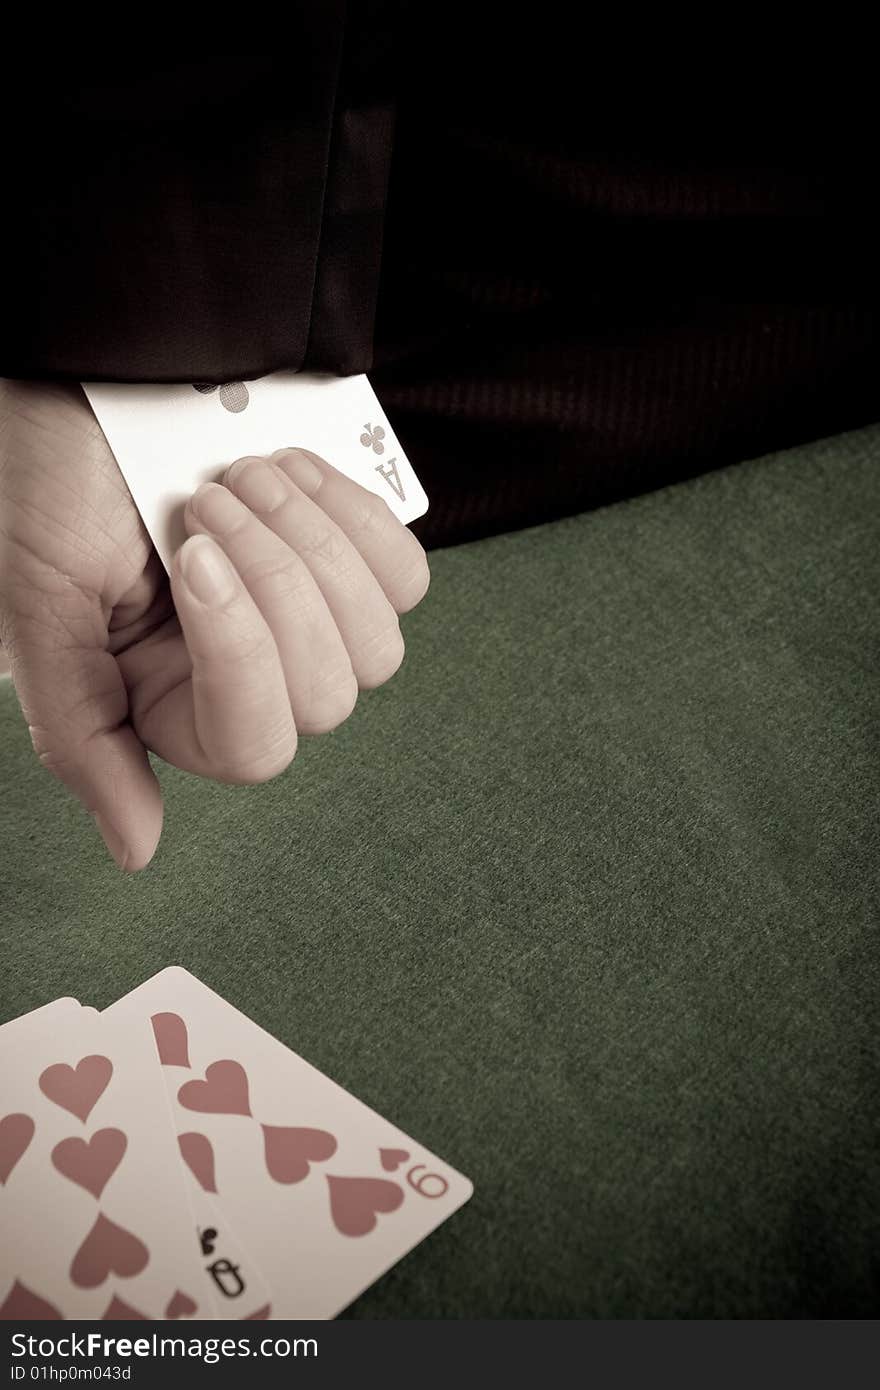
585, 900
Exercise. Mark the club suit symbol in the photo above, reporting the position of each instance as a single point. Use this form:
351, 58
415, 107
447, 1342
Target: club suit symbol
233, 395
372, 438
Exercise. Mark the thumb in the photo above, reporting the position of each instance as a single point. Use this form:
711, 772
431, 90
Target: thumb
76, 705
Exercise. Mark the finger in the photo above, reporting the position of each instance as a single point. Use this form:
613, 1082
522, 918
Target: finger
365, 618
321, 684
392, 552
76, 706
236, 723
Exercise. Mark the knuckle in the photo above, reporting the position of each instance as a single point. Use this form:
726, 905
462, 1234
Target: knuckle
261, 764
63, 762
379, 657
373, 516
280, 580
331, 702
52, 758
411, 588
325, 543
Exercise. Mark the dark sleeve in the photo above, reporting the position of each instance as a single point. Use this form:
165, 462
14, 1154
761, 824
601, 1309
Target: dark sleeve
202, 219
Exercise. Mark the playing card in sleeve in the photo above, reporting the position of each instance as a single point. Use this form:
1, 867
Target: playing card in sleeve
168, 440
327, 1194
94, 1218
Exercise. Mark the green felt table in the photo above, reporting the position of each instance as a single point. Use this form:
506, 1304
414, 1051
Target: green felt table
585, 899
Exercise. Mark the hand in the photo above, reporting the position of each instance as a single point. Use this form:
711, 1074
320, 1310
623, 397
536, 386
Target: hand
282, 603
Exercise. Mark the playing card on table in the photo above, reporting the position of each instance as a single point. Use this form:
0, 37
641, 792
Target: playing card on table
327, 1194
94, 1217
168, 440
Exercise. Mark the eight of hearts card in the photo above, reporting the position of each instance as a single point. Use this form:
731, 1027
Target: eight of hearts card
94, 1217
325, 1193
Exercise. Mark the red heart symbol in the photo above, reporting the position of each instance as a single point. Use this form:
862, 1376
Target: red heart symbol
169, 1030
180, 1305
197, 1154
107, 1249
23, 1305
224, 1091
79, 1088
355, 1201
392, 1158
290, 1151
16, 1133
91, 1163
261, 1313
117, 1311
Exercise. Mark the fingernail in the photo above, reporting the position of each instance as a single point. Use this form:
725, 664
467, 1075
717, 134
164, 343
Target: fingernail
114, 842
206, 571
236, 468
216, 508
302, 471
261, 488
